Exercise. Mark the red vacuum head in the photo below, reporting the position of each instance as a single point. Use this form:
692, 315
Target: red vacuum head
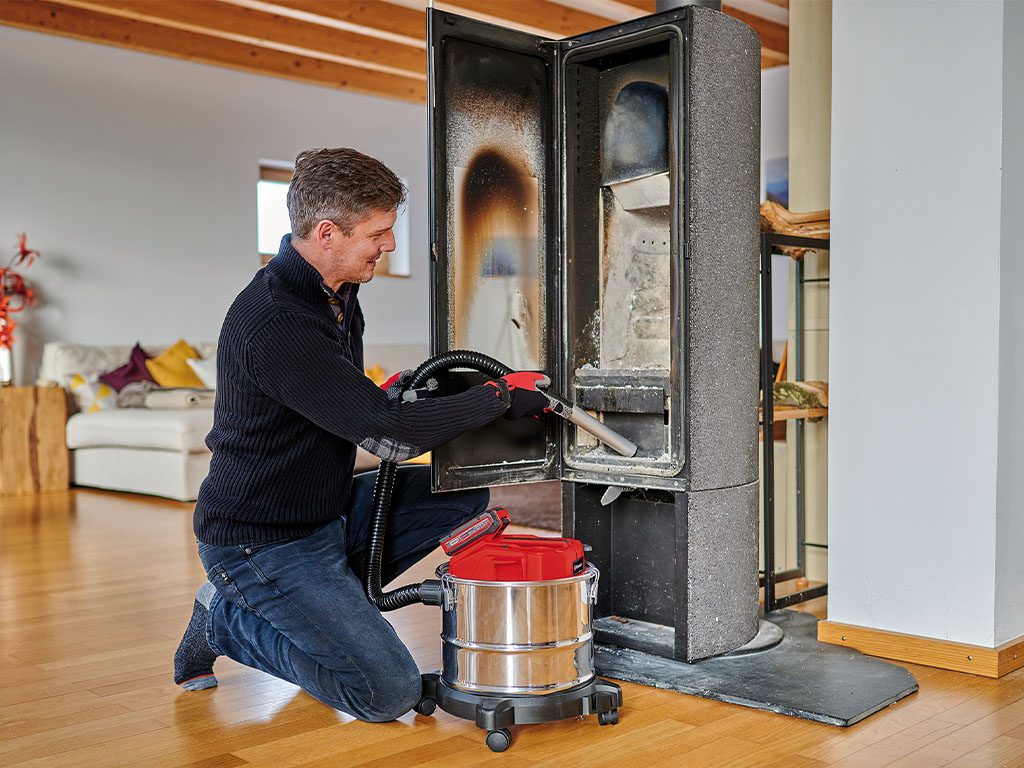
481, 552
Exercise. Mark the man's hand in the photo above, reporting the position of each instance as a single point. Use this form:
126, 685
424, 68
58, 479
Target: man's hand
394, 385
520, 391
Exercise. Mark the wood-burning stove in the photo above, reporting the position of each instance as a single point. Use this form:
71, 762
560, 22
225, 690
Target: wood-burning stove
594, 214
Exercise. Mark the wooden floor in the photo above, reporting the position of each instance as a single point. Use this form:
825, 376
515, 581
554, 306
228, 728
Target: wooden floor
96, 589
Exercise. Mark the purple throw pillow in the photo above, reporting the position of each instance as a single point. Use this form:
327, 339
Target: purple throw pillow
134, 370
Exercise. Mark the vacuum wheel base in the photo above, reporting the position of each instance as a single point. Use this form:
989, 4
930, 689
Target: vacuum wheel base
494, 713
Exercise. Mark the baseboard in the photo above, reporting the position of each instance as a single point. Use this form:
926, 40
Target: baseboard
960, 657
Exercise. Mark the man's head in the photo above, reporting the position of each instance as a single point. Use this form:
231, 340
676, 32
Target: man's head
342, 205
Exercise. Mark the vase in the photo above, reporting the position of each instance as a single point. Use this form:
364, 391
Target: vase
6, 367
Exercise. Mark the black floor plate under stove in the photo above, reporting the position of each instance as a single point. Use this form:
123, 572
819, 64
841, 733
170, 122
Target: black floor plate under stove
800, 676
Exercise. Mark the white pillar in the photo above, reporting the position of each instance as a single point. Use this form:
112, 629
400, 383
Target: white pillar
1009, 601
926, 450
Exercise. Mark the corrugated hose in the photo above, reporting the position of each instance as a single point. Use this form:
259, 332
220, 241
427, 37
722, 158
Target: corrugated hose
428, 591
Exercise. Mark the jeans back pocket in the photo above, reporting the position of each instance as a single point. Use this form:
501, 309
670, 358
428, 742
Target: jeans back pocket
227, 588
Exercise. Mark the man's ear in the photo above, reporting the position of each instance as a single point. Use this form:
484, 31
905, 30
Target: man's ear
324, 231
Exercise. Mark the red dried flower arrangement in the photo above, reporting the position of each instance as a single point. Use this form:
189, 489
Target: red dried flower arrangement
14, 294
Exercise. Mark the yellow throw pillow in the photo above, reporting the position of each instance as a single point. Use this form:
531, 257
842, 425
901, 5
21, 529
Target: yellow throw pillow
376, 374
171, 369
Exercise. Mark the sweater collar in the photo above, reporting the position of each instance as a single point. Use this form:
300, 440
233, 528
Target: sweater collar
301, 277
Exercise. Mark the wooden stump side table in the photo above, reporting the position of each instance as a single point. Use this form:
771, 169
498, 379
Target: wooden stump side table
33, 451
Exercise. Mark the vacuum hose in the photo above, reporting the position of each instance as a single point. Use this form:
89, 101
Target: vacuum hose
429, 591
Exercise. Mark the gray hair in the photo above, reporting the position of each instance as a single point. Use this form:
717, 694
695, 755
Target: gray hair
341, 185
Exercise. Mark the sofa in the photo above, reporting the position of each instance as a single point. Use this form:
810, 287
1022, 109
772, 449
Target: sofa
161, 452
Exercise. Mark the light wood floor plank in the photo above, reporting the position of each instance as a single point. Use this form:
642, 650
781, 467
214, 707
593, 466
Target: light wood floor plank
794, 761
1003, 750
905, 742
962, 740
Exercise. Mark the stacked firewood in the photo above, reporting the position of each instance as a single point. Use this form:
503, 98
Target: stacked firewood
775, 218
801, 394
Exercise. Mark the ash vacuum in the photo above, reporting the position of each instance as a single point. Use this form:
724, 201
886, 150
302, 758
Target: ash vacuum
516, 610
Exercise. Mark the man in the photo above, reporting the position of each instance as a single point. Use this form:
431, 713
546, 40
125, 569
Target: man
280, 521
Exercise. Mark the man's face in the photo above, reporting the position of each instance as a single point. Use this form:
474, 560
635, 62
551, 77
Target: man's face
354, 256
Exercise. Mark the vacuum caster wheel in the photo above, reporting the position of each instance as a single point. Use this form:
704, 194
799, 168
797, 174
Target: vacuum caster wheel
608, 718
499, 740
426, 706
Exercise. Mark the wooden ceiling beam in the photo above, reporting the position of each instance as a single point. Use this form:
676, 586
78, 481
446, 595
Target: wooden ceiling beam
558, 20
488, 12
242, 25
383, 20
613, 10
644, 7
67, 21
774, 36
648, 6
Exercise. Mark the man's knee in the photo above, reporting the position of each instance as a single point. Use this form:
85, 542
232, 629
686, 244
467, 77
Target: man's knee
396, 692
386, 687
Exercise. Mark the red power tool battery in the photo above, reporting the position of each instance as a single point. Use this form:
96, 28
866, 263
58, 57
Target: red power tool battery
519, 558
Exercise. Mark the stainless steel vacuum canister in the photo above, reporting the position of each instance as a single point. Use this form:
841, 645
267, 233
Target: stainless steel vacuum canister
517, 637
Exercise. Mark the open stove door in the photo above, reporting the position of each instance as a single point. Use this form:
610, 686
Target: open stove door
494, 194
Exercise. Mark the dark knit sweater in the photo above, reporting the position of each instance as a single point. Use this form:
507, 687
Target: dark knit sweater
293, 402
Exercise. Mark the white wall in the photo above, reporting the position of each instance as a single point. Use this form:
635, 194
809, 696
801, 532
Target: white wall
915, 317
775, 144
135, 175
774, 116
1010, 494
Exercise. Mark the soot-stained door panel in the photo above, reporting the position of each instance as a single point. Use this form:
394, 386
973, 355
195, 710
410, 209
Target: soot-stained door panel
493, 187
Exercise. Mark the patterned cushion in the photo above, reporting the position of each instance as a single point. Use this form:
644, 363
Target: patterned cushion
90, 393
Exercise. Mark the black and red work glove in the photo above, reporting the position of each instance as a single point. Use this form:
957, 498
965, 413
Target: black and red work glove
394, 386
520, 391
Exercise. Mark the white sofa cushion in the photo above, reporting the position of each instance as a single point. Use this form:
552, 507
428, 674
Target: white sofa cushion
172, 430
172, 474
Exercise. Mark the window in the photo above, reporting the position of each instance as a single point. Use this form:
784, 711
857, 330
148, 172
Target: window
273, 224
397, 263
271, 210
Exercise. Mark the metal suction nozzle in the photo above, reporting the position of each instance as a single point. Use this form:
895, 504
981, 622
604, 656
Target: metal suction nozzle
598, 429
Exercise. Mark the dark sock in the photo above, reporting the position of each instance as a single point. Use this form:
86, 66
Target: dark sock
193, 661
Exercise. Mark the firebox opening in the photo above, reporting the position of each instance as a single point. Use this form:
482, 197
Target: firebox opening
622, 298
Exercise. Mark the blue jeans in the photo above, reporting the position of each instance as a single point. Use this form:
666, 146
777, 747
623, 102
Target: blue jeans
296, 608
